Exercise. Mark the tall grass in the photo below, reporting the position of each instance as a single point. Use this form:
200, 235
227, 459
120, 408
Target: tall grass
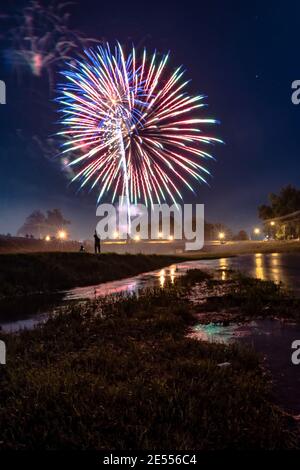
121, 374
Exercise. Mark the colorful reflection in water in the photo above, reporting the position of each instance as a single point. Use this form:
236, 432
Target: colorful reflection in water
104, 289
272, 339
132, 285
212, 332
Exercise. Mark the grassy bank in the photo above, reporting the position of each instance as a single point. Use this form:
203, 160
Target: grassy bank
122, 374
241, 298
47, 272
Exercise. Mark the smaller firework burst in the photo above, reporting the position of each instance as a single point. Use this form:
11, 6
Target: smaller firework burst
42, 38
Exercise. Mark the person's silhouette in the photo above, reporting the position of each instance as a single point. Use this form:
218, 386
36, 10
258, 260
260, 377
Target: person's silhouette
97, 243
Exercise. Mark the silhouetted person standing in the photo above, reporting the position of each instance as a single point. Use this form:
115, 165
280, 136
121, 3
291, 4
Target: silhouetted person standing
97, 243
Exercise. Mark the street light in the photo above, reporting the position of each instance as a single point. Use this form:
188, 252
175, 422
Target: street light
221, 236
272, 223
47, 238
256, 231
62, 235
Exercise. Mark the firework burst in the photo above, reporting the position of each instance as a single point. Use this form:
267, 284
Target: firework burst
130, 127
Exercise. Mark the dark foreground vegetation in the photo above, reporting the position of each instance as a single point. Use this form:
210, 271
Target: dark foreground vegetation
122, 374
47, 272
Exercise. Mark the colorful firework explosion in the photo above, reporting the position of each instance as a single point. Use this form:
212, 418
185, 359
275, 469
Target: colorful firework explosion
130, 127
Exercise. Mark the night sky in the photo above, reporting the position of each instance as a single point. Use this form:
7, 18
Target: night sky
242, 55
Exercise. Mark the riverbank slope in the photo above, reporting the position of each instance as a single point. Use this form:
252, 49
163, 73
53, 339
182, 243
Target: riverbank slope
22, 274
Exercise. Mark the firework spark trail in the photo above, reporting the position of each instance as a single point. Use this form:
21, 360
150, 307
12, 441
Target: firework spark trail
42, 39
130, 127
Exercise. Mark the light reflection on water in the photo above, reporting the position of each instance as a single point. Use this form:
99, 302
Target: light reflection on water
223, 266
130, 285
273, 340
162, 278
218, 333
259, 266
278, 267
213, 333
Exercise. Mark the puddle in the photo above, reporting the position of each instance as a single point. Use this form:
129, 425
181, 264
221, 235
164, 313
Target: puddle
273, 340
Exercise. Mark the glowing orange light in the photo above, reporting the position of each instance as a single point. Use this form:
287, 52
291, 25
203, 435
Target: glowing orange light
62, 234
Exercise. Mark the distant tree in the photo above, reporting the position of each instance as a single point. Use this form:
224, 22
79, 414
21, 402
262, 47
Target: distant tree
241, 236
265, 212
209, 231
286, 202
34, 223
55, 219
38, 225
